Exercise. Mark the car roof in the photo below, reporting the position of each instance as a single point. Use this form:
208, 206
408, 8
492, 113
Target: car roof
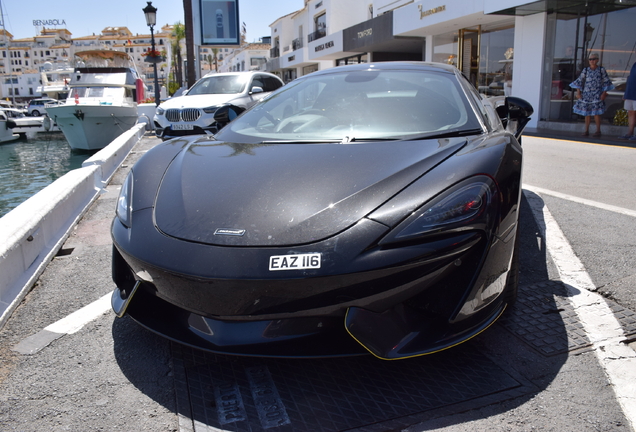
237, 73
398, 65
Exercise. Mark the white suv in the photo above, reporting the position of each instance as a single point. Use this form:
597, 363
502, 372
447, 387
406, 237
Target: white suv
193, 112
37, 106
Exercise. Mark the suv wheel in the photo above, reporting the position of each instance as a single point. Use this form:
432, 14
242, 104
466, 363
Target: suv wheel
35, 113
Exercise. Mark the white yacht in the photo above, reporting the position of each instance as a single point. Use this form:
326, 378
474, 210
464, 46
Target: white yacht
102, 101
27, 126
6, 132
55, 78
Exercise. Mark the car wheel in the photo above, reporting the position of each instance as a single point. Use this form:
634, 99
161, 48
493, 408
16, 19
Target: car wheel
35, 113
512, 282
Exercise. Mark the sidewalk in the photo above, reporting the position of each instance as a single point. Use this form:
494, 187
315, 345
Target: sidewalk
609, 137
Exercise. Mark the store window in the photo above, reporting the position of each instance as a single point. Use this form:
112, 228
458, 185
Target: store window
320, 27
570, 41
356, 59
309, 69
485, 54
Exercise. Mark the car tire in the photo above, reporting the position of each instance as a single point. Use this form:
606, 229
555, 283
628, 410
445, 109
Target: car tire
512, 282
35, 113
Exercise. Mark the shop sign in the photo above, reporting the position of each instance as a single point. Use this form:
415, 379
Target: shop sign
364, 36
365, 33
49, 22
326, 45
425, 13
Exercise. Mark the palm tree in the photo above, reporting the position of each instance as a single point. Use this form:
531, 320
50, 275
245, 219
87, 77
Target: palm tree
178, 34
215, 51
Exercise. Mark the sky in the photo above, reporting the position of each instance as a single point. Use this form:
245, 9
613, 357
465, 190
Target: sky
85, 17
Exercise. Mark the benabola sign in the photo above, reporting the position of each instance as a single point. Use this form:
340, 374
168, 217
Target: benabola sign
51, 22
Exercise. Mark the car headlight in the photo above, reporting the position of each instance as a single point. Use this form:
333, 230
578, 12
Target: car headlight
467, 205
124, 202
210, 110
160, 111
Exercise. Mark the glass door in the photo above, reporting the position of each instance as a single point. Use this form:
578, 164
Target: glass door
469, 50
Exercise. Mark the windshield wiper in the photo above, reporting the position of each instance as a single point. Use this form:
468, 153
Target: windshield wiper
449, 134
300, 141
347, 139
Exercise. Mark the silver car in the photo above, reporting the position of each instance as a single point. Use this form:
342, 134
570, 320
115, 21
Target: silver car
193, 112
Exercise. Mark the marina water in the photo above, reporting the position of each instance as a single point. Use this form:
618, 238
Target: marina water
29, 165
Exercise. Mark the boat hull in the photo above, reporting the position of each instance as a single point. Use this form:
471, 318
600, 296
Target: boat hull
93, 127
29, 126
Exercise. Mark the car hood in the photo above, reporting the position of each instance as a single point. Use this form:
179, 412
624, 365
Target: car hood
285, 194
199, 101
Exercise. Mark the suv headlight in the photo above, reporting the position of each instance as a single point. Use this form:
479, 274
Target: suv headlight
210, 110
160, 111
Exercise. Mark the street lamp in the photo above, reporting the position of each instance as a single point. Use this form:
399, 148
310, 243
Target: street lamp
151, 19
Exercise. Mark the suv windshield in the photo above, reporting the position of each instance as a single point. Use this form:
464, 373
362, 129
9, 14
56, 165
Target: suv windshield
359, 105
219, 85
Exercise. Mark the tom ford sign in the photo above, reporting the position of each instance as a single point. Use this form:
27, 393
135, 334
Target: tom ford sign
49, 22
361, 37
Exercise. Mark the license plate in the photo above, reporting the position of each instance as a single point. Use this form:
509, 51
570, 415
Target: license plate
182, 127
294, 262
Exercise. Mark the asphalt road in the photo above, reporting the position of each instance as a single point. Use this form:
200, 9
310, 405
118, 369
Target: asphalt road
536, 369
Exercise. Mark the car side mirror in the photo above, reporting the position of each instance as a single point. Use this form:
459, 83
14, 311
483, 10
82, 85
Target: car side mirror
226, 114
515, 112
256, 89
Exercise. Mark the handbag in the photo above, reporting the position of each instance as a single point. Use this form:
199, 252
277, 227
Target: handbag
620, 118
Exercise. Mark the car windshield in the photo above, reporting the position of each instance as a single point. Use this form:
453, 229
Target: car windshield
358, 105
219, 85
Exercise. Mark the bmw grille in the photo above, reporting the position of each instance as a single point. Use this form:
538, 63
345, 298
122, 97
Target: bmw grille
187, 115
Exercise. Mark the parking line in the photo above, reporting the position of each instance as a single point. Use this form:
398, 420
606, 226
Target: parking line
601, 326
67, 325
587, 202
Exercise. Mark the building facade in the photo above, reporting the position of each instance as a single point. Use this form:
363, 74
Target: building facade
27, 65
532, 50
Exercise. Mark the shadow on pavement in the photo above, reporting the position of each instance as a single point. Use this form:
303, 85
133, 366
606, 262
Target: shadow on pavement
504, 364
145, 360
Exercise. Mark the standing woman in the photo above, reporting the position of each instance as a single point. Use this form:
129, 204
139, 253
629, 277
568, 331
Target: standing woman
591, 89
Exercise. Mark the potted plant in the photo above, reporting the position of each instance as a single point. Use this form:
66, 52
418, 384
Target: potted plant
154, 56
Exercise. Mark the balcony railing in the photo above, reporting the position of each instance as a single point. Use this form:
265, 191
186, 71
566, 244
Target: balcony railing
320, 33
297, 44
274, 52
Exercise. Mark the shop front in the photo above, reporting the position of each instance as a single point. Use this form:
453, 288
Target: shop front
603, 28
484, 53
373, 41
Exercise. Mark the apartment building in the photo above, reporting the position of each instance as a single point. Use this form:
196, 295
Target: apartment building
26, 64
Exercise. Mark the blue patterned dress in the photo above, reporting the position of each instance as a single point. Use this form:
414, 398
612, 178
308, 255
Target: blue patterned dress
596, 81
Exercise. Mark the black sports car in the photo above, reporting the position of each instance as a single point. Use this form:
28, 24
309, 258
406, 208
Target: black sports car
361, 208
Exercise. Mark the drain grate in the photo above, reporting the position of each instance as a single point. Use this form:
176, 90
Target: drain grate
544, 319
252, 394
64, 252
625, 317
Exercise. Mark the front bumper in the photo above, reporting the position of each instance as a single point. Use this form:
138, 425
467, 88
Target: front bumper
396, 334
167, 131
394, 303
